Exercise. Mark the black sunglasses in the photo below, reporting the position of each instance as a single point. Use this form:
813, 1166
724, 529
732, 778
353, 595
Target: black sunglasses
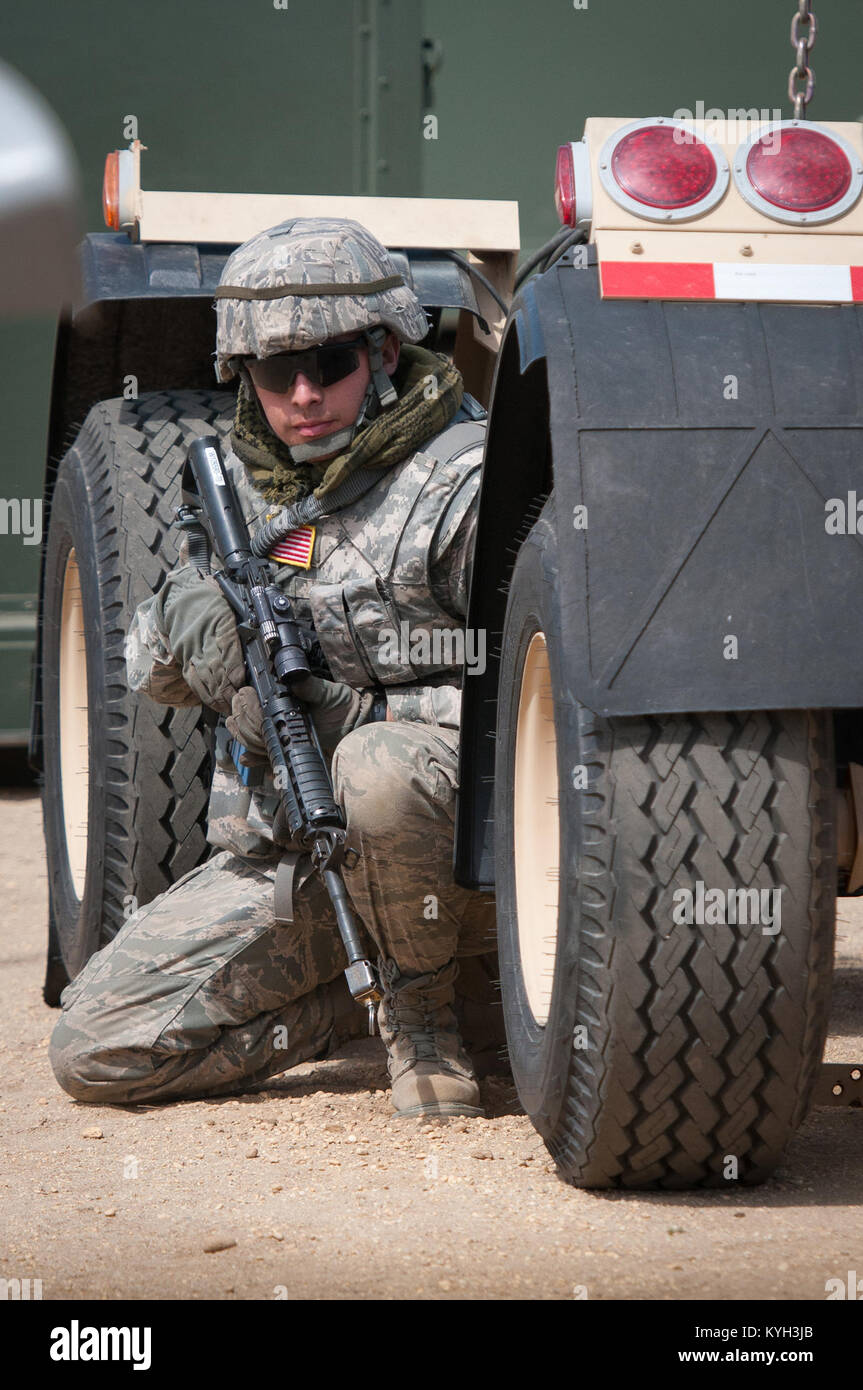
323, 365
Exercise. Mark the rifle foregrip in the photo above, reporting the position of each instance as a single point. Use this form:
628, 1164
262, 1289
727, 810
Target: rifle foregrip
309, 776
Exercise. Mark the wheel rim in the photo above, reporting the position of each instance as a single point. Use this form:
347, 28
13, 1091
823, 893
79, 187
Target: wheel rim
537, 830
74, 732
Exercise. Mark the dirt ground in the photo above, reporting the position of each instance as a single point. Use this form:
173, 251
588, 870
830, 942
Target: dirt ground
309, 1190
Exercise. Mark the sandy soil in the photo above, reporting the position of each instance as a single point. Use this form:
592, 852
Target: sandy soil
308, 1189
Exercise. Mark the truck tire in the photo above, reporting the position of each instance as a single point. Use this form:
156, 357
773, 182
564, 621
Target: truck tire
126, 780
648, 1052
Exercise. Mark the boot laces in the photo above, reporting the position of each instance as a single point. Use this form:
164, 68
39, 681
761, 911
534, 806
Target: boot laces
411, 1003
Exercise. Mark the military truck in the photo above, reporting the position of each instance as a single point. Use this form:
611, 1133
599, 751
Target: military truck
660, 757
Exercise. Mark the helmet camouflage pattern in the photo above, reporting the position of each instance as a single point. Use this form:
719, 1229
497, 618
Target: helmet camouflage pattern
266, 301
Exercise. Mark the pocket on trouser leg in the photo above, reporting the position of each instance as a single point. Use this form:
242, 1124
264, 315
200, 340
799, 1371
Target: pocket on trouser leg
280, 964
128, 993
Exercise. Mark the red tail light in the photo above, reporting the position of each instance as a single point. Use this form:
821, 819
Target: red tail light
652, 168
661, 170
799, 173
564, 187
573, 195
111, 191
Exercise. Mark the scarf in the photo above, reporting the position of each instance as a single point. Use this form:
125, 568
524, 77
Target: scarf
422, 411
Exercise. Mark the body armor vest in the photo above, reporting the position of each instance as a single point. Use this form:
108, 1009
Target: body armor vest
368, 587
369, 572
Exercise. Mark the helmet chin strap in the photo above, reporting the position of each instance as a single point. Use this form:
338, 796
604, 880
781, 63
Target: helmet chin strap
380, 394
322, 448
381, 380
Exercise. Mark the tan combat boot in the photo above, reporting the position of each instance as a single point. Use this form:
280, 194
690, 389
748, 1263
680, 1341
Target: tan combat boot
430, 1072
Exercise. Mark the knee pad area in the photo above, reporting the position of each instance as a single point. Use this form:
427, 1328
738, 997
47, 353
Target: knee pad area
389, 781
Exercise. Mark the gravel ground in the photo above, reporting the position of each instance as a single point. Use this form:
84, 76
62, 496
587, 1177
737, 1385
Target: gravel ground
309, 1190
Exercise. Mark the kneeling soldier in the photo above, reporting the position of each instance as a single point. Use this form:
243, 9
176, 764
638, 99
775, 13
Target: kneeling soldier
372, 442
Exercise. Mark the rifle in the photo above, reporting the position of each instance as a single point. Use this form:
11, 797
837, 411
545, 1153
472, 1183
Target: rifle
276, 651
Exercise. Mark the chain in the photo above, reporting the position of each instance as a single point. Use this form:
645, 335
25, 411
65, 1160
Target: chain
802, 43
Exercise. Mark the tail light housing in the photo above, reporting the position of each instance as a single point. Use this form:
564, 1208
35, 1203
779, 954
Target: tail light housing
573, 188
660, 169
799, 173
118, 186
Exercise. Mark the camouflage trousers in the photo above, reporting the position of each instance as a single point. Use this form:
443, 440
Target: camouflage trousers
202, 992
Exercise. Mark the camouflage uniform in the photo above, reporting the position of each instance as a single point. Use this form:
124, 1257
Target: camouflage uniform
203, 991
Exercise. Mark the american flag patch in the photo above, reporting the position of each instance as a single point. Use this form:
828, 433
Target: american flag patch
296, 548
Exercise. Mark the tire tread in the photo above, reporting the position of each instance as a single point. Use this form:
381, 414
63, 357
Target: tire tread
157, 771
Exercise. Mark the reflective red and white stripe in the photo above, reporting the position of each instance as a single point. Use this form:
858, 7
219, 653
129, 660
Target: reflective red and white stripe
296, 548
830, 284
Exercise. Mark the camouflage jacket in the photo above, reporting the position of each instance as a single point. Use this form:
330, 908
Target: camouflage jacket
386, 590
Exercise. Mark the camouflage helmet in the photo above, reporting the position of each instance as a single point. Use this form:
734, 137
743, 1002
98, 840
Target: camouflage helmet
304, 281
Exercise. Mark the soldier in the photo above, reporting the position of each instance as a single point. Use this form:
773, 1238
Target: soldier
364, 451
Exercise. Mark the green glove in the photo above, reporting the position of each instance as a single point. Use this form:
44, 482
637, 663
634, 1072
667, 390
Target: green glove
245, 722
335, 708
201, 632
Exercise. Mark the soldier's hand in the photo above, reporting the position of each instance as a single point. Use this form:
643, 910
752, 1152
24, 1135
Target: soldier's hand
201, 633
245, 722
335, 708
